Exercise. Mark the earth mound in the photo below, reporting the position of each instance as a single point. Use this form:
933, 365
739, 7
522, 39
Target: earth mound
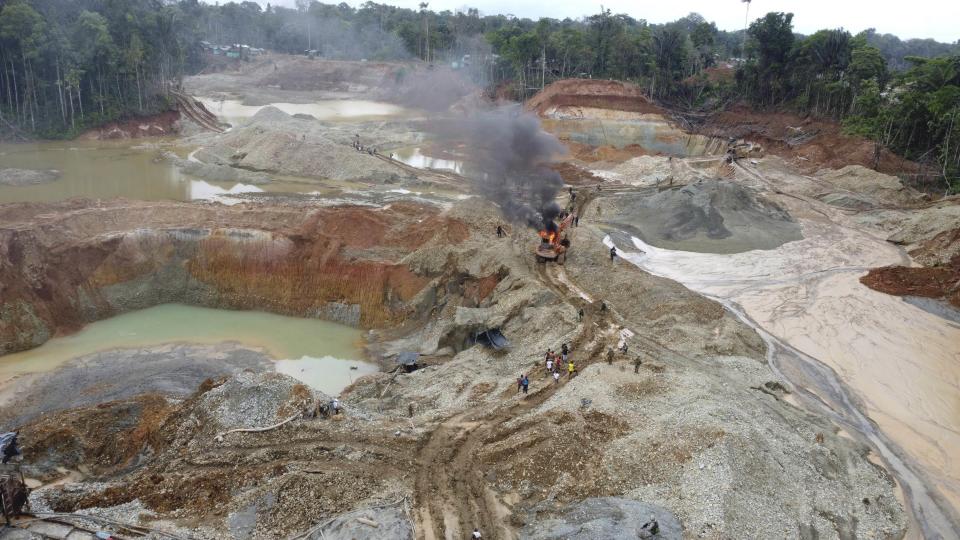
27, 177
590, 93
711, 216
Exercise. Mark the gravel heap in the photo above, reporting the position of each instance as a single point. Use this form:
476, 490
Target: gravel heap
602, 518
713, 216
252, 400
864, 186
27, 177
274, 141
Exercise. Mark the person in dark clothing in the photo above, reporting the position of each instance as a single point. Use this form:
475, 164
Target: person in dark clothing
610, 356
499, 231
613, 253
526, 384
580, 314
564, 349
603, 306
576, 220
520, 383
637, 362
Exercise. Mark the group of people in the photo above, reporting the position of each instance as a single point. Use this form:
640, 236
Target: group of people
361, 148
554, 363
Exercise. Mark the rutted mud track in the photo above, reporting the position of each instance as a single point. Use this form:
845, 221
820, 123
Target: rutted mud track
453, 496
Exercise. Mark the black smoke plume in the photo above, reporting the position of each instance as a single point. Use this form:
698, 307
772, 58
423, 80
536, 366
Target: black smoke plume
508, 156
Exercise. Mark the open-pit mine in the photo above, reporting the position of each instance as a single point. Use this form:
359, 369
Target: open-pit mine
305, 307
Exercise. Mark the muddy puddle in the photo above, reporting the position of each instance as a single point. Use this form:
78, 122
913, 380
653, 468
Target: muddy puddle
324, 355
414, 157
828, 333
128, 169
235, 112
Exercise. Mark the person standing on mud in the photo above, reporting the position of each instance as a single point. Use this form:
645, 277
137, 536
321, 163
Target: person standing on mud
613, 253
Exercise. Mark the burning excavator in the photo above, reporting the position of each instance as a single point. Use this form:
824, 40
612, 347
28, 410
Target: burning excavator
553, 245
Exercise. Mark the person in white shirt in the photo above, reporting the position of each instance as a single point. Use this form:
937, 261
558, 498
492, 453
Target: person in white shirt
476, 534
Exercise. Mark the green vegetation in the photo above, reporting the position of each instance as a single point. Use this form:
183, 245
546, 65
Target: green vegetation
70, 65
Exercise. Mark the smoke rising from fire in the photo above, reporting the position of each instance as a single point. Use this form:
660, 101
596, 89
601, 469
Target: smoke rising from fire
508, 154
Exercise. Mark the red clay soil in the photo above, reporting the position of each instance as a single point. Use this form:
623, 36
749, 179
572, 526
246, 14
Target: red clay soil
777, 131
62, 266
575, 176
139, 126
942, 282
600, 94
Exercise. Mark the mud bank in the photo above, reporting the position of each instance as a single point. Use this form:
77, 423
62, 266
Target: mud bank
806, 294
75, 265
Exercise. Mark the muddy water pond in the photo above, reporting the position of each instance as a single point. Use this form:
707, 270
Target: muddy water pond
415, 157
323, 355
108, 169
234, 111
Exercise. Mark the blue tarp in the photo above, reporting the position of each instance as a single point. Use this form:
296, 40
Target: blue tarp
408, 358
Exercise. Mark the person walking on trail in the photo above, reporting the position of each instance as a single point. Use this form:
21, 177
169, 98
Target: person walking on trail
580, 315
526, 384
519, 383
556, 376
571, 368
565, 349
499, 231
613, 253
549, 365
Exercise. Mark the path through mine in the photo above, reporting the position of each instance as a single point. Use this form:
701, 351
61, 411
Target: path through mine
452, 497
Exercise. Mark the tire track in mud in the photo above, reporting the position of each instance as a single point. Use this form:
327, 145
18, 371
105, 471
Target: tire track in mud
452, 496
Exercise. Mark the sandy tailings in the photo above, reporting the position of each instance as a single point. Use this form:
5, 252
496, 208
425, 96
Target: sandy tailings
901, 361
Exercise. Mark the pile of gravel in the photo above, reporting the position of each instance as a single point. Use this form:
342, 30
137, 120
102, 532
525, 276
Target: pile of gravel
712, 216
253, 400
604, 518
27, 177
274, 141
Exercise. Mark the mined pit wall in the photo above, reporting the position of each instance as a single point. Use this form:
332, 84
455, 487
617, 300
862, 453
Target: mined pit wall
335, 272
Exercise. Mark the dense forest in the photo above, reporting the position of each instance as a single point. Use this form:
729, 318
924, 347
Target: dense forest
70, 65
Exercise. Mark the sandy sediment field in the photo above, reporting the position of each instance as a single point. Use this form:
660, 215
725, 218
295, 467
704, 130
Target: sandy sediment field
899, 360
